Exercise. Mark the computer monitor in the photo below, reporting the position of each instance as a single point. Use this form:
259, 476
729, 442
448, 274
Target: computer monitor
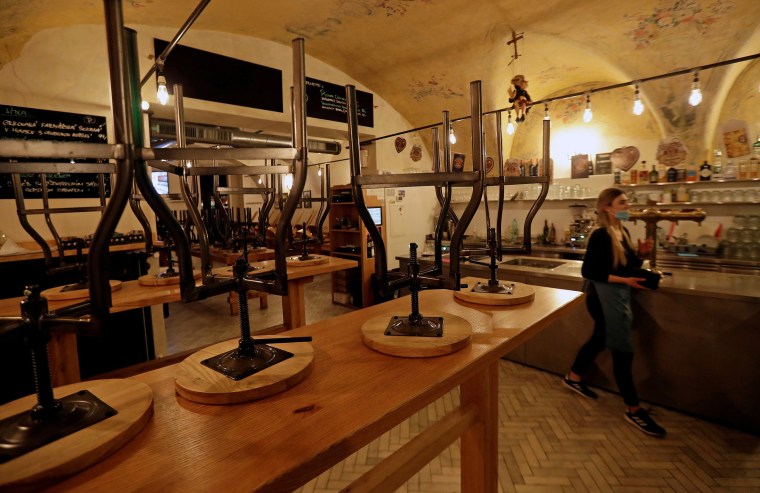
377, 215
160, 181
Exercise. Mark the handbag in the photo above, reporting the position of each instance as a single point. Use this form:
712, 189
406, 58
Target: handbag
651, 278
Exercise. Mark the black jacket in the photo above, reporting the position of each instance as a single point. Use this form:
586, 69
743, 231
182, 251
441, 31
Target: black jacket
597, 263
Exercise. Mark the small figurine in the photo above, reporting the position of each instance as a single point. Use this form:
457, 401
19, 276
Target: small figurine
518, 95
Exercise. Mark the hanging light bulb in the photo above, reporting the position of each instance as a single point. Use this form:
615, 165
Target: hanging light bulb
546, 111
638, 106
452, 137
288, 182
261, 180
162, 93
319, 171
696, 94
587, 115
145, 105
510, 125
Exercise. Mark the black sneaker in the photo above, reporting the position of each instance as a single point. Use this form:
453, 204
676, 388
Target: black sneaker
643, 421
580, 387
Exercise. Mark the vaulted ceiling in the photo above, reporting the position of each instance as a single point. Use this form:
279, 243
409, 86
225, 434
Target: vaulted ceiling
420, 55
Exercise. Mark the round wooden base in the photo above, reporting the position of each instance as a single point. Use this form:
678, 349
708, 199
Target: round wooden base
456, 335
154, 280
198, 383
314, 260
227, 271
521, 293
132, 400
56, 293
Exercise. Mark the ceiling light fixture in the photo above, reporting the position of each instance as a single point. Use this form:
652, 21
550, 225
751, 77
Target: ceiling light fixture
638, 106
145, 105
546, 111
162, 93
696, 93
452, 137
288, 182
319, 171
587, 115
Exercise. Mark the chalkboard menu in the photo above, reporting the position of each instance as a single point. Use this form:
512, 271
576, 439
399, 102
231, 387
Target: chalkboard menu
603, 164
328, 102
35, 124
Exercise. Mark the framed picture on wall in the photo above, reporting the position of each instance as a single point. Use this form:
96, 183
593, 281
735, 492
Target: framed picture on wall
579, 166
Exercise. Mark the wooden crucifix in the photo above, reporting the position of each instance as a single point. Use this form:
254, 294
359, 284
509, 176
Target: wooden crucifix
515, 38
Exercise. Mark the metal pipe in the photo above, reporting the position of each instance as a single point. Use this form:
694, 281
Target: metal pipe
500, 157
182, 30
381, 262
121, 98
189, 196
476, 110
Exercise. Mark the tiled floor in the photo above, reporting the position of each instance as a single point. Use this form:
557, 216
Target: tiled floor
550, 439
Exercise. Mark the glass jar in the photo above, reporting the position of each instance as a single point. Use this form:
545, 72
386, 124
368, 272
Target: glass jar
733, 234
739, 221
740, 251
753, 222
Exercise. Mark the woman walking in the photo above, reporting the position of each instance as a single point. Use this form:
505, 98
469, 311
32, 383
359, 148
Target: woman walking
608, 268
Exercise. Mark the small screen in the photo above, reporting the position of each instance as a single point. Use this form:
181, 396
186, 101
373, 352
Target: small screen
160, 181
377, 215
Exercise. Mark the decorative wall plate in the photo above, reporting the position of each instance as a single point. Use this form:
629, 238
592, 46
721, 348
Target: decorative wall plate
624, 157
489, 164
400, 144
416, 153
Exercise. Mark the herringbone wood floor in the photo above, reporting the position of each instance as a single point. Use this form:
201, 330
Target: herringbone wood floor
553, 440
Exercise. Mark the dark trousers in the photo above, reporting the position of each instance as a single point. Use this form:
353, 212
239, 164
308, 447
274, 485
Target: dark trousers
622, 362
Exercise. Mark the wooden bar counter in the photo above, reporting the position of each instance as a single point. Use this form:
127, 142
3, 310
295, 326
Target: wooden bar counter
352, 396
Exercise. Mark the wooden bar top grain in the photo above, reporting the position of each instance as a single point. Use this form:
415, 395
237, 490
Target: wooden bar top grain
353, 395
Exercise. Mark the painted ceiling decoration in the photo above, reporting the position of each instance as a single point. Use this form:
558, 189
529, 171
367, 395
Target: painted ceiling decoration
421, 55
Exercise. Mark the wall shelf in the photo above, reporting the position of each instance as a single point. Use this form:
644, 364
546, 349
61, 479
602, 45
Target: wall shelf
356, 284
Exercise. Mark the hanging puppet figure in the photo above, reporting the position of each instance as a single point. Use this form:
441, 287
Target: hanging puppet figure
519, 97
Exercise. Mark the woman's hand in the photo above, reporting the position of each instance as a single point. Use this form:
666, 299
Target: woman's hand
634, 282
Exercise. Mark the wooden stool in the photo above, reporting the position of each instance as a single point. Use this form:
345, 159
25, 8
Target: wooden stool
232, 299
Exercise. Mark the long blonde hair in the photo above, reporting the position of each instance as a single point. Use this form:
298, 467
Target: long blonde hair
605, 199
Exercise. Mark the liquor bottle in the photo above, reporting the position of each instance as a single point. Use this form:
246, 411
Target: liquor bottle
691, 172
546, 231
705, 171
718, 165
370, 247
654, 175
672, 174
643, 173
634, 179
754, 162
522, 168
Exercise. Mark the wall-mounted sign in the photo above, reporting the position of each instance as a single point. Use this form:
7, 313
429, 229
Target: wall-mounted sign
17, 122
328, 102
603, 164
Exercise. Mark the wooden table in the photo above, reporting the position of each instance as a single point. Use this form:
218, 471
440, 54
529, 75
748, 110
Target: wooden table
353, 396
294, 304
228, 258
64, 361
